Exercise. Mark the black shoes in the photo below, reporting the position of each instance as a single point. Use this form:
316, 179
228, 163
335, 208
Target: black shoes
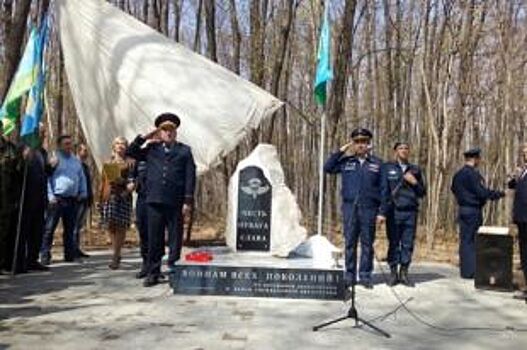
394, 277
45, 260
141, 274
403, 277
368, 284
151, 281
81, 254
115, 263
36, 266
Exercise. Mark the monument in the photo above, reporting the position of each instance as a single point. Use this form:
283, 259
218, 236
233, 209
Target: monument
263, 214
263, 230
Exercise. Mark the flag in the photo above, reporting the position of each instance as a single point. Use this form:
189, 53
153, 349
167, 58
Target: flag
35, 102
324, 72
23, 80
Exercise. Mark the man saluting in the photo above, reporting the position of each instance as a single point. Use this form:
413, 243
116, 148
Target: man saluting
361, 199
170, 179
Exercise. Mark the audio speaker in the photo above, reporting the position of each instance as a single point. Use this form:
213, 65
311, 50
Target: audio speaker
493, 260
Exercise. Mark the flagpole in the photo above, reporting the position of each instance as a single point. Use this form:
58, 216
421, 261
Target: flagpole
321, 171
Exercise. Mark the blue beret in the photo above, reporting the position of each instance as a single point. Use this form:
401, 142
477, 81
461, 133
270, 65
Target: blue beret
361, 133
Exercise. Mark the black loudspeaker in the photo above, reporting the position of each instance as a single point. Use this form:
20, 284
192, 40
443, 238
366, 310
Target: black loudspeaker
494, 262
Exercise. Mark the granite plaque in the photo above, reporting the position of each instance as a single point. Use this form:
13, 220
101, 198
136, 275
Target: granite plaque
253, 222
263, 282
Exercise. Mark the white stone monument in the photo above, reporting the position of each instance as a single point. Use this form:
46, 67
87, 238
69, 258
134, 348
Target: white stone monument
263, 214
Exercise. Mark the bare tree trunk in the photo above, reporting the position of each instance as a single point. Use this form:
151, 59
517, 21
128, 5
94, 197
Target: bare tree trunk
257, 37
236, 37
197, 35
177, 6
145, 11
210, 22
280, 52
164, 16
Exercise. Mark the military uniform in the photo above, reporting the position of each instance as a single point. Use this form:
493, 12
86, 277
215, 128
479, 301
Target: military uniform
471, 195
141, 214
33, 213
519, 214
401, 204
361, 198
10, 186
170, 180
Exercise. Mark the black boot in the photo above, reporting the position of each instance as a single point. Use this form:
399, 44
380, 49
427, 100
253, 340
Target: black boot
394, 277
151, 281
142, 273
403, 277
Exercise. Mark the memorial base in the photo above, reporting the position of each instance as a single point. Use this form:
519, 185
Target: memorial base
258, 275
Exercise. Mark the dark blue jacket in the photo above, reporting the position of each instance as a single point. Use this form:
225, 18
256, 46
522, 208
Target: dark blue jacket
89, 187
361, 184
170, 171
519, 209
469, 188
396, 192
140, 178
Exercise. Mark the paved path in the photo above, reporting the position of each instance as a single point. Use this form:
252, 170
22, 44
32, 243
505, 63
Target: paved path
87, 306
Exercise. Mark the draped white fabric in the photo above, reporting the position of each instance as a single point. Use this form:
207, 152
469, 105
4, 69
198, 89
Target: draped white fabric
122, 74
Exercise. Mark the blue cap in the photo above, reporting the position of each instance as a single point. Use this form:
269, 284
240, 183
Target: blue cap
473, 153
361, 134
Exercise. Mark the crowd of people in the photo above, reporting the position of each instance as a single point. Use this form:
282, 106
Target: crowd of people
37, 191
376, 192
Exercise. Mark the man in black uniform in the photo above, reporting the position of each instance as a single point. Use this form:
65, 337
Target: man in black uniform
34, 207
518, 182
11, 164
402, 187
141, 215
170, 180
471, 195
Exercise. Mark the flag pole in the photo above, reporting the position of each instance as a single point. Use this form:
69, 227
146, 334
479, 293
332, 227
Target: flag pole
321, 171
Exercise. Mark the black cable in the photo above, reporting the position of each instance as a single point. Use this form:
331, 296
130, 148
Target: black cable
432, 325
393, 312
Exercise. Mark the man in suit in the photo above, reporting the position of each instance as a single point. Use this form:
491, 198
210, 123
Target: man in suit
471, 195
170, 180
518, 182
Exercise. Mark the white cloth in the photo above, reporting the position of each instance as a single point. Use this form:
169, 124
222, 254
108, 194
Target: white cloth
122, 74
